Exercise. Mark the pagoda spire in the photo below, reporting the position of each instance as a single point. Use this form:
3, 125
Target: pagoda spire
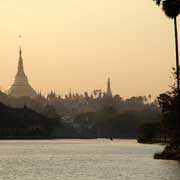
109, 92
21, 86
20, 64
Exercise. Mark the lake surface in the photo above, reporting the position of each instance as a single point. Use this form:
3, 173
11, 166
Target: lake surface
83, 160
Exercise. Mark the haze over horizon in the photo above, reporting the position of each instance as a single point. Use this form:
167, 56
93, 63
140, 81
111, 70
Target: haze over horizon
78, 44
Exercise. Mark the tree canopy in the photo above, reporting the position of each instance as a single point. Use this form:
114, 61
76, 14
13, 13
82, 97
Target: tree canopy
170, 7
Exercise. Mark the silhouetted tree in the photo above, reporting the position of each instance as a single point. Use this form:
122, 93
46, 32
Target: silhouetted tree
172, 9
168, 120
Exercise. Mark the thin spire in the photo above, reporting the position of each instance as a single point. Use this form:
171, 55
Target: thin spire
20, 51
109, 92
20, 63
70, 93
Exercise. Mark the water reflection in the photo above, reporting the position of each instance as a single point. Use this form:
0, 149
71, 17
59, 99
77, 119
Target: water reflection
83, 160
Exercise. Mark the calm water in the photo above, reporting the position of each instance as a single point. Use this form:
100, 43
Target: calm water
83, 160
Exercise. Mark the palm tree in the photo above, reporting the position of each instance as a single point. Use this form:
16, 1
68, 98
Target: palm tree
172, 9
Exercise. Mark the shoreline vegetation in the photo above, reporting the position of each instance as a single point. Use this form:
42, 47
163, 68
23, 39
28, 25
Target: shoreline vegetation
153, 141
170, 101
105, 117
169, 153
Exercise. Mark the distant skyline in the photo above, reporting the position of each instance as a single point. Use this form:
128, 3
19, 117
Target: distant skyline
78, 44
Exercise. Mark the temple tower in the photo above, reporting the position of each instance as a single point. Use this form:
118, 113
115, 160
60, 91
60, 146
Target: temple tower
109, 92
21, 86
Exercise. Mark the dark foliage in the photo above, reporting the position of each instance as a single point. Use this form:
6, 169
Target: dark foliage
149, 132
109, 123
170, 7
24, 123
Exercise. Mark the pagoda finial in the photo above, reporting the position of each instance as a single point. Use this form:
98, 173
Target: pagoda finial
20, 51
20, 63
20, 38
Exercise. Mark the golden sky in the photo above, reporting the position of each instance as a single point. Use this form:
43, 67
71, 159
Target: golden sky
77, 44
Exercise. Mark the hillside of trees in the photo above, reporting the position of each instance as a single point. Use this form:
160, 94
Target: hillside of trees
21, 123
82, 116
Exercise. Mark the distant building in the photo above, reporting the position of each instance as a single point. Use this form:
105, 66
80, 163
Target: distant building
109, 92
21, 86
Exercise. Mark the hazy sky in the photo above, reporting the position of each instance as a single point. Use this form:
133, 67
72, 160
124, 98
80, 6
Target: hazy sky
77, 44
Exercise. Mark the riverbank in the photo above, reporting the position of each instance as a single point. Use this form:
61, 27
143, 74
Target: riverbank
153, 141
169, 153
